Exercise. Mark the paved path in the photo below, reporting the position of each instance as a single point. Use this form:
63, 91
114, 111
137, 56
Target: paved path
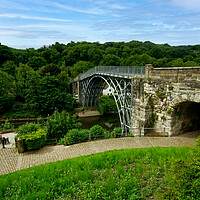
11, 160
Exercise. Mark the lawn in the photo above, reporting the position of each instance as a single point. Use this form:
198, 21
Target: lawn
120, 174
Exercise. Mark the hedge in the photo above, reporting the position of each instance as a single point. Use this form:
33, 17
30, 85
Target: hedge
76, 136
34, 141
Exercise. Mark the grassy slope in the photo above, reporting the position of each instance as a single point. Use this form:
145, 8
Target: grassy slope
124, 174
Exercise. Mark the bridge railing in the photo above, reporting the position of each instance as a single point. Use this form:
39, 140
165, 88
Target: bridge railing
118, 71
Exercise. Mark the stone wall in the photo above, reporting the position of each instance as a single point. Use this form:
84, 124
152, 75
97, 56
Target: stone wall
158, 95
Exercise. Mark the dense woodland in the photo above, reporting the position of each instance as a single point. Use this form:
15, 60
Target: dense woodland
35, 82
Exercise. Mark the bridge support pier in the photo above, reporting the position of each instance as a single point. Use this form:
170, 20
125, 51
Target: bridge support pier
166, 101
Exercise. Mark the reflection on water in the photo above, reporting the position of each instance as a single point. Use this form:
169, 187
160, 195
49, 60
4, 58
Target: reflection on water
107, 121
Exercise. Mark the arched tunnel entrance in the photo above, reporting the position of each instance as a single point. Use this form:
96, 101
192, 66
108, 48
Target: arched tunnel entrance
186, 117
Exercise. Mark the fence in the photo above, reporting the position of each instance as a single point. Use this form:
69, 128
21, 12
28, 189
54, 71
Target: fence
118, 71
151, 132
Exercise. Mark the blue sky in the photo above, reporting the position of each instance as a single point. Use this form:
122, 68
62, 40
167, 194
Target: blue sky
34, 23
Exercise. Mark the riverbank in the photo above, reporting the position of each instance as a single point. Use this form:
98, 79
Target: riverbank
89, 112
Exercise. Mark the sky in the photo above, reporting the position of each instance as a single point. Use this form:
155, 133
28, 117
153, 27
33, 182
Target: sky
35, 23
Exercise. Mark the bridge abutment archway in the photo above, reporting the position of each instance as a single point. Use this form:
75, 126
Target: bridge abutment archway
185, 117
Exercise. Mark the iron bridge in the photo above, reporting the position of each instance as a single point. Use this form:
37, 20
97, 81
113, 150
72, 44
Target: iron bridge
90, 85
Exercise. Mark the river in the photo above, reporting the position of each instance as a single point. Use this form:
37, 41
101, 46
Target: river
107, 121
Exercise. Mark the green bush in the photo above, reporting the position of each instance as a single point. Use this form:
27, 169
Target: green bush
97, 132
76, 135
6, 126
61, 141
34, 141
118, 132
27, 129
107, 104
60, 123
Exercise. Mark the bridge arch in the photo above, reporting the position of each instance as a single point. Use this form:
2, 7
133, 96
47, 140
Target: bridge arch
92, 87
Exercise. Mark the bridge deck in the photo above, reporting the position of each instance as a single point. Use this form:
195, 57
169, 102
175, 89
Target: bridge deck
116, 71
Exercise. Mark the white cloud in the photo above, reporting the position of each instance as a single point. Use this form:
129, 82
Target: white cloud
20, 16
95, 11
187, 4
10, 32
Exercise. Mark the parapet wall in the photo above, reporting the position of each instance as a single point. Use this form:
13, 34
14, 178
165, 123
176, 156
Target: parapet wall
173, 74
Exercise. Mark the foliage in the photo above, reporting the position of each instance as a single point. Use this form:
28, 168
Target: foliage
76, 136
51, 97
27, 129
118, 132
6, 126
80, 67
183, 178
6, 83
35, 140
6, 103
58, 124
123, 174
153, 119
97, 132
61, 141
41, 77
107, 104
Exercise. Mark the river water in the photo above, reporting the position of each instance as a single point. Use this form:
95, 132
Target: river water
107, 121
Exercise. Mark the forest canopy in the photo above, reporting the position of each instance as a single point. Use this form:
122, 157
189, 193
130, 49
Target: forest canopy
37, 80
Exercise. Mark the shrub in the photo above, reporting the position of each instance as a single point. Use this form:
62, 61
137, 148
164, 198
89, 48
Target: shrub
107, 104
61, 141
34, 141
6, 126
27, 129
60, 123
75, 136
118, 132
97, 132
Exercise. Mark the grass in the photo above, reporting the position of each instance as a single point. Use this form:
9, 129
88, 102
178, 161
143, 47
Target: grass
123, 174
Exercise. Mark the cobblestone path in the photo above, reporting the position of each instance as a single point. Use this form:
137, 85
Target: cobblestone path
11, 160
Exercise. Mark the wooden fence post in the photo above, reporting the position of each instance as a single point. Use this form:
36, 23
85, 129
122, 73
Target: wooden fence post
90, 136
114, 133
65, 140
140, 132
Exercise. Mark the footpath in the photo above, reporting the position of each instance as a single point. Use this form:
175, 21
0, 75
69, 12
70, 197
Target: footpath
11, 160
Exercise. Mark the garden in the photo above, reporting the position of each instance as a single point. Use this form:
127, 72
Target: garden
60, 128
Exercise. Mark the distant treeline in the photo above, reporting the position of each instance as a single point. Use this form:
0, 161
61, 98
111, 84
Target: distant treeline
37, 80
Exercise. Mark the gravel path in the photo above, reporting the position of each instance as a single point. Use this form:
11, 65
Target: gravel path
11, 160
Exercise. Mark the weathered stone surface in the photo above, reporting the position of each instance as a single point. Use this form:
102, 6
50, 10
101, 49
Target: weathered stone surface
163, 90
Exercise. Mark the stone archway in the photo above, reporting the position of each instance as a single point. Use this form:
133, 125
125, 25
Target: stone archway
185, 117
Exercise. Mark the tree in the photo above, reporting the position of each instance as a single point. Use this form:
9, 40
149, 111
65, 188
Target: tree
51, 97
190, 64
6, 83
80, 67
53, 70
36, 62
9, 67
110, 60
6, 91
6, 54
157, 52
176, 63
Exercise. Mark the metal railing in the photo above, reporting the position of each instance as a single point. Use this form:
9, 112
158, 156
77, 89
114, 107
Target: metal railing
117, 71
